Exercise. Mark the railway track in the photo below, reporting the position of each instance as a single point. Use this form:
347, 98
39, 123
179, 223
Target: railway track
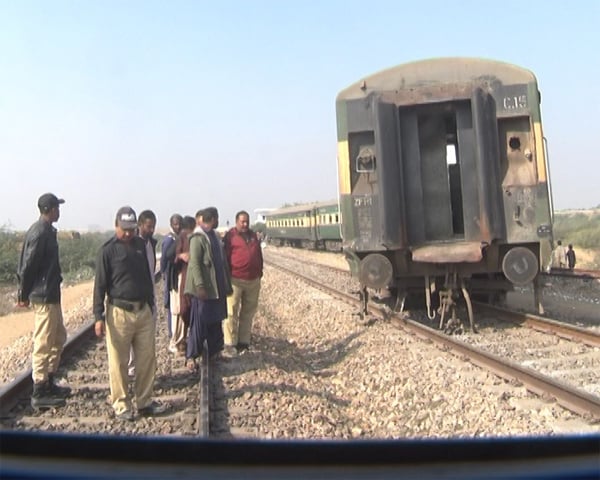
16, 391
586, 274
84, 364
570, 396
547, 325
526, 319
248, 396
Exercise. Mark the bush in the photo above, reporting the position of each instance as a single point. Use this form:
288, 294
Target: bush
580, 229
10, 250
77, 252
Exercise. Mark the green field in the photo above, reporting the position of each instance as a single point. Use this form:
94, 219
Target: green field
582, 229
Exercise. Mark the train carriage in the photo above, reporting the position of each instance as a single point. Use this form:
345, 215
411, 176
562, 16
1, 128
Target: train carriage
312, 225
443, 178
292, 226
328, 228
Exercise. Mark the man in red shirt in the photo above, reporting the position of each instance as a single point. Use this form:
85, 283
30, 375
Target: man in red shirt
244, 254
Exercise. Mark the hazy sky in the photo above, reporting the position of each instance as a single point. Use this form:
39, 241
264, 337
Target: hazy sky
178, 105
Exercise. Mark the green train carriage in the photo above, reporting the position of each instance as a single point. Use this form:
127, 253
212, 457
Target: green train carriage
328, 226
443, 180
312, 225
291, 226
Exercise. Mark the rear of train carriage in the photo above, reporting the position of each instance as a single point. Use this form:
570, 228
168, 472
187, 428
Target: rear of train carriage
443, 174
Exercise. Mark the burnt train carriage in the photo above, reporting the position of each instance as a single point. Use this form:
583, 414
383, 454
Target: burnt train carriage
443, 179
314, 225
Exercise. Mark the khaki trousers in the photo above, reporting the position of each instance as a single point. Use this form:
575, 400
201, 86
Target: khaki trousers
125, 332
241, 308
49, 337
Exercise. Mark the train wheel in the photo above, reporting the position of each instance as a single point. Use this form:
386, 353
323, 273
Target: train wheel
520, 265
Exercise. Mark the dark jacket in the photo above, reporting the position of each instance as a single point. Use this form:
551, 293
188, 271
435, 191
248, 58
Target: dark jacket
155, 275
167, 261
122, 272
38, 270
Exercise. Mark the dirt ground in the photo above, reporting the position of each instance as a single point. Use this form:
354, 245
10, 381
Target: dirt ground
20, 322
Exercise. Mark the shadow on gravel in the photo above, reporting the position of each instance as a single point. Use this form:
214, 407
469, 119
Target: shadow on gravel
287, 357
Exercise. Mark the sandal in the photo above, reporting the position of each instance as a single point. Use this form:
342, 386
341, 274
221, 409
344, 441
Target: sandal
191, 365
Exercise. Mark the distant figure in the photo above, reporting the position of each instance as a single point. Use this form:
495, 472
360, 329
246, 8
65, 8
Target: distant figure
208, 282
167, 262
39, 277
244, 255
571, 257
559, 259
179, 302
124, 280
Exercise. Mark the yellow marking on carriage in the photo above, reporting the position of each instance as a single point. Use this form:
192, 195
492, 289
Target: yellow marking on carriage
540, 152
344, 167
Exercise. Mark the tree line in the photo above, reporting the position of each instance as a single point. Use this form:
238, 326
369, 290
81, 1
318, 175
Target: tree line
581, 229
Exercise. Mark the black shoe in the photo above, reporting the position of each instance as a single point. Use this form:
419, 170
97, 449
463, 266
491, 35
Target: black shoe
57, 390
242, 347
43, 397
229, 351
126, 416
60, 391
154, 409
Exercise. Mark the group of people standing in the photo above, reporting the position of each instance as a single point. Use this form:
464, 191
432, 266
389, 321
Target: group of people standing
211, 295
211, 284
563, 258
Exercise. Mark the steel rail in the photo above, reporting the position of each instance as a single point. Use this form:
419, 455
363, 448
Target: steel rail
12, 392
546, 325
583, 274
204, 406
569, 397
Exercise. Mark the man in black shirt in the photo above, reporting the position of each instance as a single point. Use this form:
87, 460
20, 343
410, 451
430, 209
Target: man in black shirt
39, 277
123, 278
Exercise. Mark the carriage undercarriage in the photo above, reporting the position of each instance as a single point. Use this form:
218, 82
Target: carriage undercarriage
447, 300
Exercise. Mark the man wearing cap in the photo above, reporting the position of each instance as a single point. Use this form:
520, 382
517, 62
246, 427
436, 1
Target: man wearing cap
123, 278
39, 277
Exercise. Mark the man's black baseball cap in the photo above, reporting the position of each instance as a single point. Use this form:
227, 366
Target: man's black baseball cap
49, 200
126, 218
